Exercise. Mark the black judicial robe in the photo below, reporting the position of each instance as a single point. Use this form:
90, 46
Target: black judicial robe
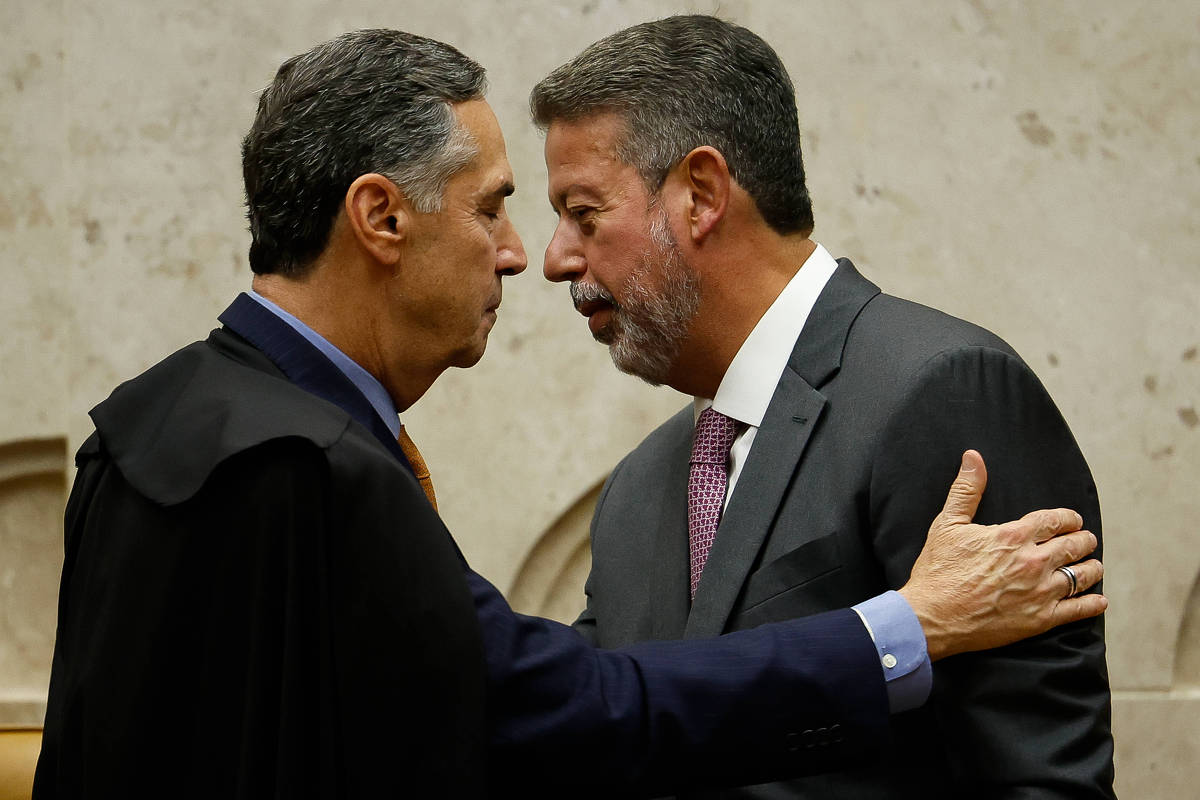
249, 606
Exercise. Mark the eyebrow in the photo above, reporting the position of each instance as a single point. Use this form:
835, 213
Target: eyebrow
561, 196
505, 189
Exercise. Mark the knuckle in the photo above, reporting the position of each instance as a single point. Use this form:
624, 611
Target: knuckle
1040, 523
1082, 543
1092, 571
1032, 560
1014, 533
1066, 520
1091, 605
1053, 521
1075, 547
1031, 521
1069, 555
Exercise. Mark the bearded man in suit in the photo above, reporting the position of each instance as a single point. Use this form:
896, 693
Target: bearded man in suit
259, 598
684, 225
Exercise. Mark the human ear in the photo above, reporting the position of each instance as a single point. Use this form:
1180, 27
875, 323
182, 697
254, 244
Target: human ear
378, 214
705, 180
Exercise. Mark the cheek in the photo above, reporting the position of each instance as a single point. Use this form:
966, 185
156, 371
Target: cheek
611, 262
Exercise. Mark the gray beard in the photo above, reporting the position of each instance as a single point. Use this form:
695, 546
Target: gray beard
650, 325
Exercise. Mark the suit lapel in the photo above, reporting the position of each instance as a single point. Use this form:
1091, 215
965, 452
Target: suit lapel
817, 355
778, 448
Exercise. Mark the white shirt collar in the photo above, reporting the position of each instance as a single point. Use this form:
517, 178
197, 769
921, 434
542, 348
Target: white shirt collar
749, 383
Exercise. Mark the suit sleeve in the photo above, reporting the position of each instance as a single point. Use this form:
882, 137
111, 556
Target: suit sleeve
781, 700
1031, 719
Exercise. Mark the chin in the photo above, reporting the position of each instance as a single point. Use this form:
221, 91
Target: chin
470, 357
652, 368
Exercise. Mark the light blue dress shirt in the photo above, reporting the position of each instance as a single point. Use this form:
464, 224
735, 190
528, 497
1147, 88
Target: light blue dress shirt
366, 383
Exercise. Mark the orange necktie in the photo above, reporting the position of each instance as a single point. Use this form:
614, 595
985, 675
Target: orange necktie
418, 464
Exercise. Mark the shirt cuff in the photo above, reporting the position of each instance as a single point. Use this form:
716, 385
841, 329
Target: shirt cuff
900, 643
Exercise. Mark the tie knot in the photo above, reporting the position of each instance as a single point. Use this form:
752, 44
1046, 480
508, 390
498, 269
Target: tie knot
715, 433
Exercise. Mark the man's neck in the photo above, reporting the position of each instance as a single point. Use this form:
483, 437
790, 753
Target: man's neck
737, 288
336, 306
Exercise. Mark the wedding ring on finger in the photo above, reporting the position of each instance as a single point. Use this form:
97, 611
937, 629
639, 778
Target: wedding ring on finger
1073, 582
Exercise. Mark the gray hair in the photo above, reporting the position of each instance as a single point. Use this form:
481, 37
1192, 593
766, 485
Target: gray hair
687, 81
368, 101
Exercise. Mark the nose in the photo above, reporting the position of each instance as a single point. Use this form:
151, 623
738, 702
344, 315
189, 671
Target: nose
563, 261
510, 254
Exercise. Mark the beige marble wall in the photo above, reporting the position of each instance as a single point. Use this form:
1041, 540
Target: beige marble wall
1032, 166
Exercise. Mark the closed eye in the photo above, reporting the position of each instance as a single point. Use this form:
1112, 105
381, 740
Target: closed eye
492, 211
581, 214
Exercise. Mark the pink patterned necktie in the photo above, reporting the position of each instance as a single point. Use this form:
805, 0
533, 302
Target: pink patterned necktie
707, 479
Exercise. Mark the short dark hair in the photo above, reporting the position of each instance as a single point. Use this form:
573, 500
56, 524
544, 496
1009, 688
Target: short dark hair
688, 81
367, 101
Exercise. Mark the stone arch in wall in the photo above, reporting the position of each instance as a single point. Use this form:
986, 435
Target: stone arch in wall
550, 580
1187, 645
32, 496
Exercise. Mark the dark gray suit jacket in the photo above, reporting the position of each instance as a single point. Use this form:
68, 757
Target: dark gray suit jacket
861, 439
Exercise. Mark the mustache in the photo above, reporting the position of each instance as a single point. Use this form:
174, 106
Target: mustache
589, 293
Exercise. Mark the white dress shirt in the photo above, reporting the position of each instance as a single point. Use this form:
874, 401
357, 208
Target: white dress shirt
749, 383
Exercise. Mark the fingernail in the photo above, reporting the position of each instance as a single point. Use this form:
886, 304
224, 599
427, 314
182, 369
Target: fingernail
967, 465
